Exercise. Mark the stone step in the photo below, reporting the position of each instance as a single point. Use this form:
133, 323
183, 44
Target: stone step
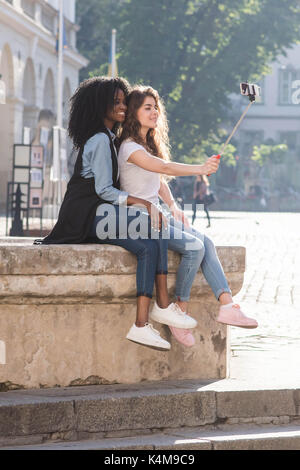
119, 411
230, 437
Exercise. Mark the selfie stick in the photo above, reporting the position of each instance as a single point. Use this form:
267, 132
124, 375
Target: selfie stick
235, 128
252, 99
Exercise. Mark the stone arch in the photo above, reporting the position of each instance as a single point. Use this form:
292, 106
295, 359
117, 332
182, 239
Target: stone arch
49, 92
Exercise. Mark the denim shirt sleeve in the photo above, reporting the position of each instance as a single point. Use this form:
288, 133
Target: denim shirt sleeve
96, 161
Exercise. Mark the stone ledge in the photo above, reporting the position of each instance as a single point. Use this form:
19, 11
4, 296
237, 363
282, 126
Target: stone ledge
271, 403
101, 288
65, 311
21, 258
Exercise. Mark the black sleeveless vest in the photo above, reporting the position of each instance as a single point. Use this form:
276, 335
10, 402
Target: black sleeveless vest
79, 205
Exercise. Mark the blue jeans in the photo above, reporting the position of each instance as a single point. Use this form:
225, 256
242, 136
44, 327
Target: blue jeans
152, 254
197, 251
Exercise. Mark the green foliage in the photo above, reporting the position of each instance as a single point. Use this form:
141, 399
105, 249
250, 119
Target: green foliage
96, 19
195, 53
263, 154
211, 146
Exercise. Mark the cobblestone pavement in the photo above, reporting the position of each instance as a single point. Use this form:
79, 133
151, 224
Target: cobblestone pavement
271, 289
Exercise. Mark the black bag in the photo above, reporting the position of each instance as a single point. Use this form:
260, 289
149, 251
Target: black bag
209, 199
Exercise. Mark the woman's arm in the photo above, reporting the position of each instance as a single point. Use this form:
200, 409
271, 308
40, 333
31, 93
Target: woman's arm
97, 158
98, 161
158, 165
167, 196
165, 193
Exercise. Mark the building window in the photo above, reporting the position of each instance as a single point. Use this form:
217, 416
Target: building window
290, 138
248, 140
48, 20
286, 78
28, 7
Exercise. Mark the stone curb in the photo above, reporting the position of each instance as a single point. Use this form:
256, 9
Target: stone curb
222, 438
106, 411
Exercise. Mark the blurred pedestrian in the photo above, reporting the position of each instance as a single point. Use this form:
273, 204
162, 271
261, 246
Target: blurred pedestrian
201, 191
178, 191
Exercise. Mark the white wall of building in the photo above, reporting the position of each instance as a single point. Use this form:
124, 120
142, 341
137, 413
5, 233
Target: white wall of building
69, 8
273, 116
276, 119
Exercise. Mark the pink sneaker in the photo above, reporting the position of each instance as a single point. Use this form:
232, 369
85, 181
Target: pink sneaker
183, 336
235, 317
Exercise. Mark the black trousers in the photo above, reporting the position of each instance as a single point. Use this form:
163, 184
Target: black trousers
199, 201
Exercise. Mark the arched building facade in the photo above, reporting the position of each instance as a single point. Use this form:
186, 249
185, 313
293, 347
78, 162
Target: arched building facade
28, 66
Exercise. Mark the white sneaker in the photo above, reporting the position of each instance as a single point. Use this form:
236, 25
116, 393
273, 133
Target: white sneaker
172, 316
147, 335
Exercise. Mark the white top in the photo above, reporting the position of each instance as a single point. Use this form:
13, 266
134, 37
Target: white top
135, 180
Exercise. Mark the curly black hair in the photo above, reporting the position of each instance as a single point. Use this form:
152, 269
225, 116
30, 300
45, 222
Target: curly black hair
89, 105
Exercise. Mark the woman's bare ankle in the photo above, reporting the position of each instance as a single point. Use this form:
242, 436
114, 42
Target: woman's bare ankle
162, 303
225, 298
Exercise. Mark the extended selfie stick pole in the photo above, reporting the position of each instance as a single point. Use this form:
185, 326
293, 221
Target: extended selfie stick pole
235, 128
252, 99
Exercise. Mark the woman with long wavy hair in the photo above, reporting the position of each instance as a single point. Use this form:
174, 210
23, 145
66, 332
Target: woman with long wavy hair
144, 162
94, 201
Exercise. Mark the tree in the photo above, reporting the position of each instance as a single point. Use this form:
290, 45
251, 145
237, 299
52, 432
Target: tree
195, 52
264, 153
96, 19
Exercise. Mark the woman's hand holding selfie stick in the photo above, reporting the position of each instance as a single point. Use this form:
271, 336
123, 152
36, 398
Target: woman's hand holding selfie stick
212, 164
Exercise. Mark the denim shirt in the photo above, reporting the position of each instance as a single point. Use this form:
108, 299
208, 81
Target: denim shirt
96, 162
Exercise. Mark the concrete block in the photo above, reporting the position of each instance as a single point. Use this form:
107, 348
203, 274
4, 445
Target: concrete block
36, 418
245, 403
256, 442
146, 411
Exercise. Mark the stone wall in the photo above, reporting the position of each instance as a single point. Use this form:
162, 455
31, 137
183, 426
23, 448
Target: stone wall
65, 311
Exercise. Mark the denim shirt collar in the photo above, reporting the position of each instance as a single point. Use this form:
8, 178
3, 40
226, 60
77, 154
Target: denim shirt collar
113, 136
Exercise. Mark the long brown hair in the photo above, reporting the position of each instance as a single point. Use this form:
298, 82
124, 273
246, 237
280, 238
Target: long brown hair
157, 140
203, 178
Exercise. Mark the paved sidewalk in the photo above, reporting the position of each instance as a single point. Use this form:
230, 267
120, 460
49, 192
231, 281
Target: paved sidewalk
271, 293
